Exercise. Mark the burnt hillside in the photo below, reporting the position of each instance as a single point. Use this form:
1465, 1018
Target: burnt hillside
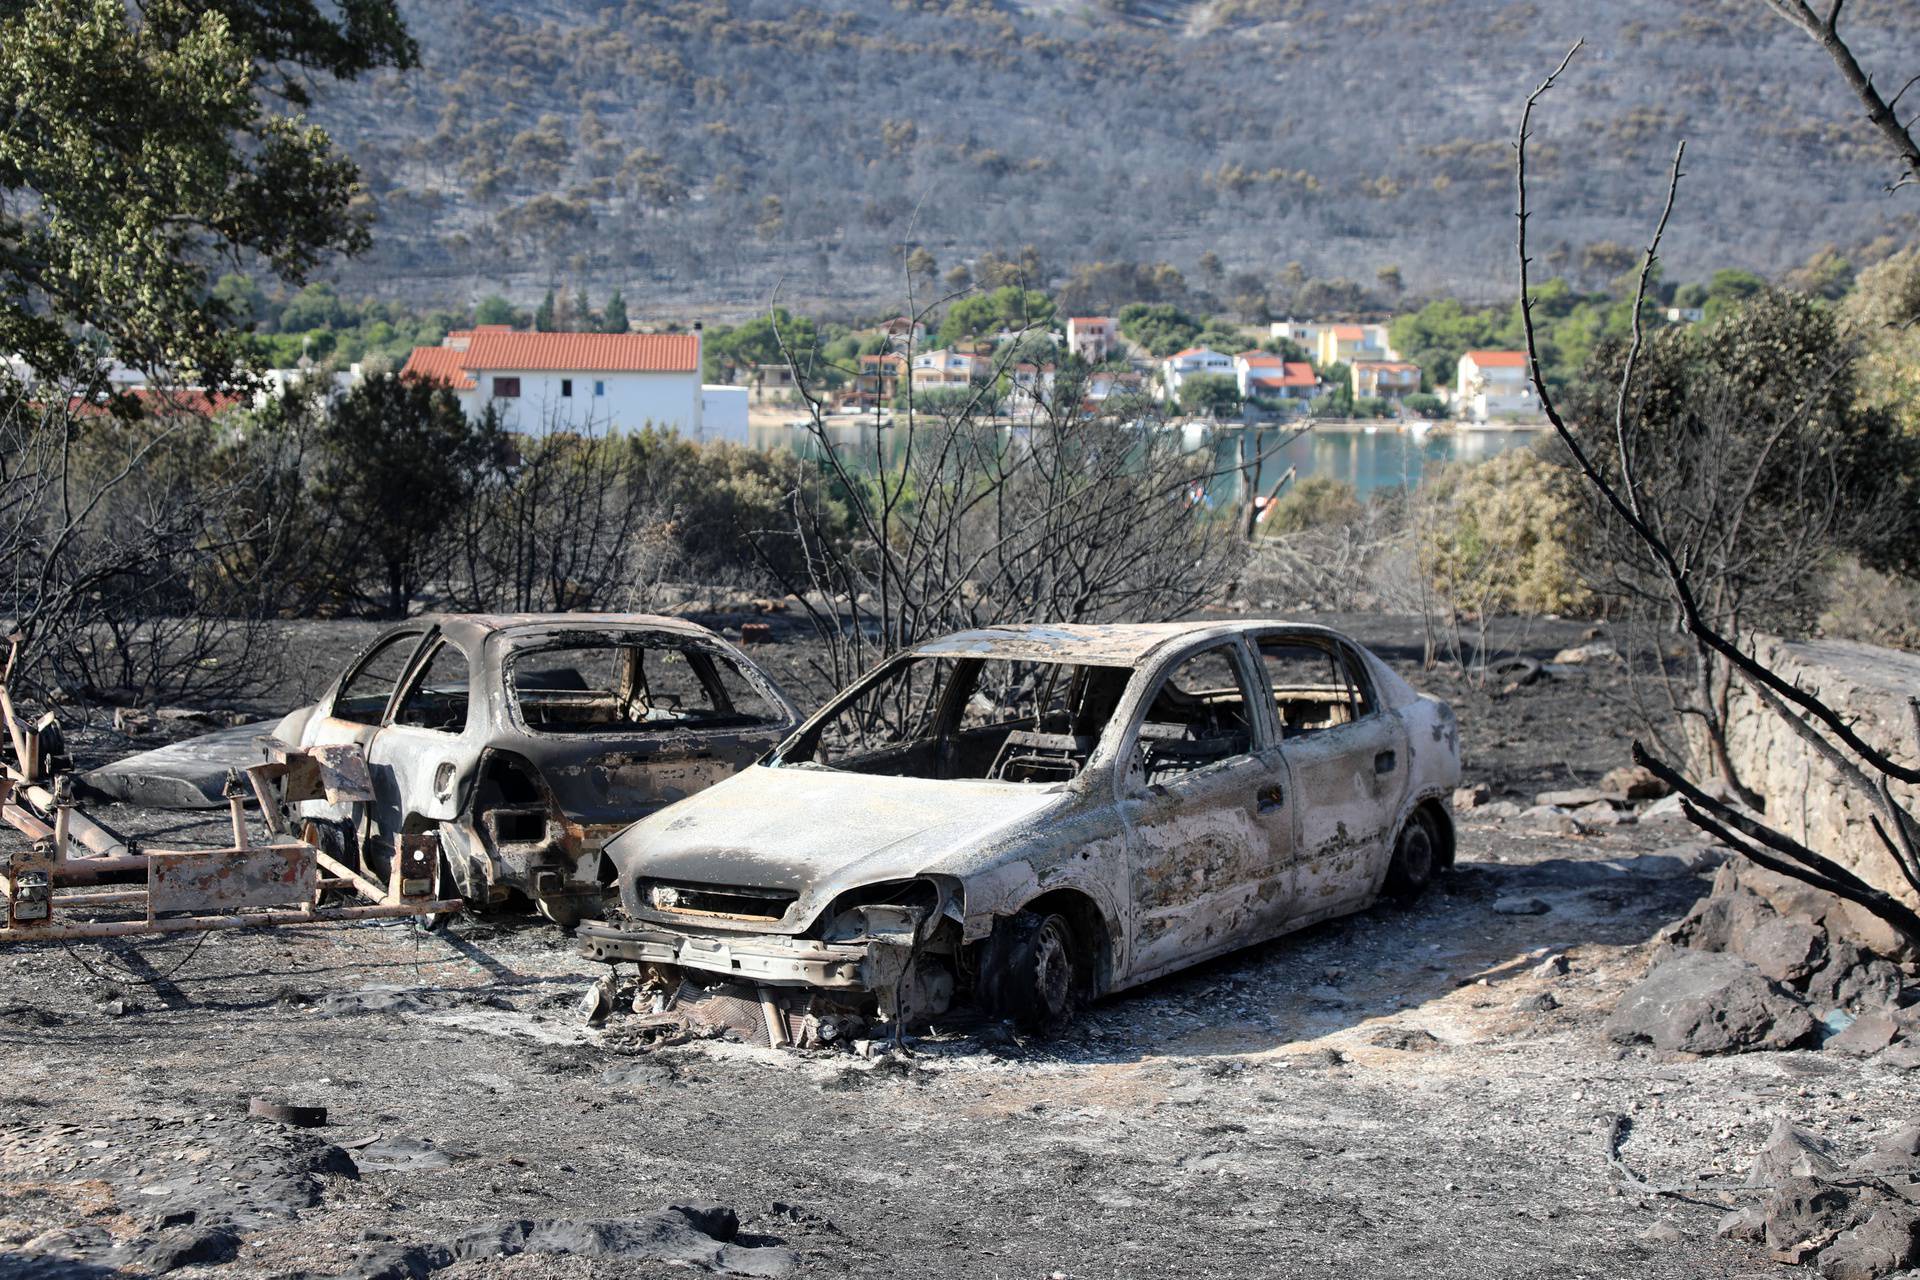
699, 151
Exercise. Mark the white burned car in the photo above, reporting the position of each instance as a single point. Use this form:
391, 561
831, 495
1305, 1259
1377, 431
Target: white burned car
1026, 817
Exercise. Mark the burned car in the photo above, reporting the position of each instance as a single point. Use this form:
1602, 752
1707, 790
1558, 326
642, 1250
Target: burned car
1029, 817
524, 742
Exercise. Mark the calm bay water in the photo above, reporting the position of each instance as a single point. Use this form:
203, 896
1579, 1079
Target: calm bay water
1387, 457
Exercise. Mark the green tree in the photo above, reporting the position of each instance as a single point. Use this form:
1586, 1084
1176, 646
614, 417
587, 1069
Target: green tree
398, 459
543, 315
583, 319
1210, 393
144, 145
493, 309
1008, 307
614, 318
1161, 328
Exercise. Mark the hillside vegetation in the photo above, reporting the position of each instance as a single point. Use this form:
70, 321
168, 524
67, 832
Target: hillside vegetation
706, 152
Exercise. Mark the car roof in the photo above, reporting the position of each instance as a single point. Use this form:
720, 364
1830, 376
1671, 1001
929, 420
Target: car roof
476, 627
1101, 644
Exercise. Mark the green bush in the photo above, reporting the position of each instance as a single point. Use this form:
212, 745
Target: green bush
1311, 503
1500, 536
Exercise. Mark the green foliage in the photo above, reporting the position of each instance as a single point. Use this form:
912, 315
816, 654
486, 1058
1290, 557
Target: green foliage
142, 147
1161, 328
1570, 325
494, 309
1499, 537
1423, 404
1009, 307
1210, 393
614, 318
544, 318
1311, 503
1729, 290
397, 461
731, 351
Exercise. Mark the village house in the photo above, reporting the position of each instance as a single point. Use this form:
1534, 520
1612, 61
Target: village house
1270, 378
904, 333
1346, 343
950, 367
1384, 379
1192, 363
1304, 334
877, 382
1106, 390
1029, 390
1092, 338
1494, 384
538, 382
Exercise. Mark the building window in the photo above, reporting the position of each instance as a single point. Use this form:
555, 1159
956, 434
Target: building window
566, 387
506, 388
599, 388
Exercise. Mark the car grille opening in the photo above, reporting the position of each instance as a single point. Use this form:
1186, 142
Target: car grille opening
716, 900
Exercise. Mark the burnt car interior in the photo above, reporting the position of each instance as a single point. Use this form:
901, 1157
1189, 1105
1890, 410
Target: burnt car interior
616, 686
974, 718
1197, 718
1314, 685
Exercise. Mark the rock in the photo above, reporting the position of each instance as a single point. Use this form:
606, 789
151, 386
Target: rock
1406, 1039
1670, 809
1705, 1002
1659, 1233
1786, 950
1602, 814
1554, 966
703, 1237
1747, 1223
1905, 1056
1520, 906
1499, 809
1897, 1152
1544, 1002
1579, 655
1635, 782
1852, 980
1472, 796
184, 1246
1577, 798
1885, 1243
1551, 821
1801, 1209
1792, 1153
1867, 1034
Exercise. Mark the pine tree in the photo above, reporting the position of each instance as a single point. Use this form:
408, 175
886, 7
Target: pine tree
614, 319
543, 314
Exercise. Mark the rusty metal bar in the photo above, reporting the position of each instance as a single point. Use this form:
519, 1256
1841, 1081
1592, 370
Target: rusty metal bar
368, 889
203, 924
114, 897
26, 822
83, 871
258, 777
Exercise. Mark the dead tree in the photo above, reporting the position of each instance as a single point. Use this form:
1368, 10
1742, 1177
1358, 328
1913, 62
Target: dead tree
1882, 112
1863, 768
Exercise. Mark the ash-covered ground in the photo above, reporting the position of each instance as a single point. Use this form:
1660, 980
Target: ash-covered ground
1411, 1091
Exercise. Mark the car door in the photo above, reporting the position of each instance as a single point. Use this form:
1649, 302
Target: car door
1205, 802
354, 709
1348, 760
414, 758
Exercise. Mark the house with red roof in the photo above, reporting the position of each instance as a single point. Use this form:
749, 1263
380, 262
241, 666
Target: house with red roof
1267, 377
1194, 362
1492, 385
1092, 338
1384, 379
540, 382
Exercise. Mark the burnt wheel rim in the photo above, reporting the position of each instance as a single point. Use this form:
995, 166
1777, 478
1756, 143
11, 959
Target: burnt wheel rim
1052, 968
1416, 852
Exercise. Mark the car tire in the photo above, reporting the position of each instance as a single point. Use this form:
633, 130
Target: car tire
1029, 971
1416, 856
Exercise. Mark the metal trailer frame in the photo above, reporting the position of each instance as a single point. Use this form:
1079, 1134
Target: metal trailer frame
75, 863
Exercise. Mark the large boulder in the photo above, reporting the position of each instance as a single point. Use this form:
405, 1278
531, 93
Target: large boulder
1888, 1241
1709, 1002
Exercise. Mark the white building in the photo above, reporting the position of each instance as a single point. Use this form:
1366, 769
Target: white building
1191, 363
571, 381
1265, 376
950, 367
1092, 338
1494, 384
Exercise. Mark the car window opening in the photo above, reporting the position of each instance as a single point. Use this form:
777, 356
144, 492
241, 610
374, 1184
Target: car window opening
1314, 688
1198, 717
985, 719
615, 686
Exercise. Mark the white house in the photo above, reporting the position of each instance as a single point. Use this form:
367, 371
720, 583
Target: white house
1303, 333
1265, 376
1029, 390
571, 381
1494, 384
1191, 363
1092, 337
949, 367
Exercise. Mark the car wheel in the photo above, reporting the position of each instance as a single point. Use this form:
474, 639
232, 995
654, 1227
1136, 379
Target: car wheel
1029, 972
1416, 855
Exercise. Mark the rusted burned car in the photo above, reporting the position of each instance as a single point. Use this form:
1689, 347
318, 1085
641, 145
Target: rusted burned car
524, 742
1027, 817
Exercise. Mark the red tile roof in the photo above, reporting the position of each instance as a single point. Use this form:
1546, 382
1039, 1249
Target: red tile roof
165, 402
1262, 358
1298, 374
584, 352
439, 364
1349, 332
1499, 359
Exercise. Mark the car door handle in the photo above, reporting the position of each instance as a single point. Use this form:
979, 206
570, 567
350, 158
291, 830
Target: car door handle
1384, 762
1270, 798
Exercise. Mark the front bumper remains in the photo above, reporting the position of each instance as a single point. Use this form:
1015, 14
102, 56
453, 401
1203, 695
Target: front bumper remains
771, 960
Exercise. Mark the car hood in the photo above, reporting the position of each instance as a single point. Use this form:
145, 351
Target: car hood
817, 832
